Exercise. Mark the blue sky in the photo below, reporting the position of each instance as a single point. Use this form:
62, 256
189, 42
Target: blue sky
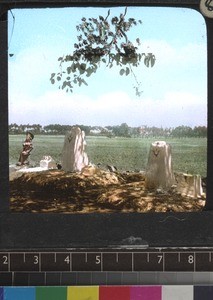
174, 90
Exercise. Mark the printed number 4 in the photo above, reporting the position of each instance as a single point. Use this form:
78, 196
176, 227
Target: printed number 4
67, 259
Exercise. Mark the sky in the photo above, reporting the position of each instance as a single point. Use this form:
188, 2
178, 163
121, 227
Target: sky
174, 90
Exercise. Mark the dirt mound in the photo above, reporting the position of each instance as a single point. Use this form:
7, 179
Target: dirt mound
92, 190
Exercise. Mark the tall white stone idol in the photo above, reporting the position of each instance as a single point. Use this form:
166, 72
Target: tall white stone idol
74, 157
159, 172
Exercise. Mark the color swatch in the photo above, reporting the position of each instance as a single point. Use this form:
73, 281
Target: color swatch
168, 292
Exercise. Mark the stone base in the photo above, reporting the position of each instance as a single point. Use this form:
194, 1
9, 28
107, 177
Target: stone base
48, 163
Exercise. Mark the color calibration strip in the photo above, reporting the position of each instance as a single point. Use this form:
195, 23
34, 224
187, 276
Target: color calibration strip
108, 293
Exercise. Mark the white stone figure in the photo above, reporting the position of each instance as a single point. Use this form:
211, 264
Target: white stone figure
189, 185
74, 157
159, 172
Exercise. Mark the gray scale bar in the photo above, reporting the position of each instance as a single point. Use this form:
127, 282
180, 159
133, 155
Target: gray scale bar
104, 278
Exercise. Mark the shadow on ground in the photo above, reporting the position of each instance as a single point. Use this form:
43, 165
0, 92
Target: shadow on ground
56, 191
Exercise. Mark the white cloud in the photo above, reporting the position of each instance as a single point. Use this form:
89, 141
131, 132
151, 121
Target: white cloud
30, 70
166, 101
110, 109
182, 56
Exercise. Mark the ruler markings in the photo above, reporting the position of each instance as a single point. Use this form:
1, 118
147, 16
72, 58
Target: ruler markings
188, 260
8, 261
39, 261
70, 255
163, 262
194, 261
101, 262
132, 261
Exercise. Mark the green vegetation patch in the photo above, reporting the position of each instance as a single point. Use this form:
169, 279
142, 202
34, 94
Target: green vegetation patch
127, 154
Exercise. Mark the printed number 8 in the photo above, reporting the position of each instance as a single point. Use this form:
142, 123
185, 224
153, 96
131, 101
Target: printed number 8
190, 259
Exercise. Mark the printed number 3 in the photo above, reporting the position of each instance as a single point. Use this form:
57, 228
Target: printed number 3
35, 259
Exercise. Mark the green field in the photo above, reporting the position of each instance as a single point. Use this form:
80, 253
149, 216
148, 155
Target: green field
188, 154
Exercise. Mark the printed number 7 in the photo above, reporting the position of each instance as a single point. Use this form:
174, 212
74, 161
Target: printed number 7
160, 257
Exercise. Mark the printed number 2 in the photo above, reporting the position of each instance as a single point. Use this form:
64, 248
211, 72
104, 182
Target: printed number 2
5, 260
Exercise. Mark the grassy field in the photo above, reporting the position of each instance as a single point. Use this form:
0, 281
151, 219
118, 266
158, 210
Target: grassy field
188, 154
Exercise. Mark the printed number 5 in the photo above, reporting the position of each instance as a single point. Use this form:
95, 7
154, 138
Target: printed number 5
98, 260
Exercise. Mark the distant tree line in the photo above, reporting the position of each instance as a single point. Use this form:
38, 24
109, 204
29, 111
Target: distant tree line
122, 130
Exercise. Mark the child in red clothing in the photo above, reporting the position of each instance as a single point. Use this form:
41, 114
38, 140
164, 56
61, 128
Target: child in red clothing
27, 148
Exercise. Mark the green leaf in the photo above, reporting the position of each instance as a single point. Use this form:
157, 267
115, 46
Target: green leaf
149, 60
122, 71
64, 85
146, 61
72, 68
69, 58
83, 66
100, 40
153, 59
69, 84
79, 81
127, 71
69, 69
138, 41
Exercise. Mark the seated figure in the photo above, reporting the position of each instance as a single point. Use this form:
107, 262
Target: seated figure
27, 148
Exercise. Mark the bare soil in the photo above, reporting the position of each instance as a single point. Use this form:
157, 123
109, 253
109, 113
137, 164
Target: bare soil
56, 191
